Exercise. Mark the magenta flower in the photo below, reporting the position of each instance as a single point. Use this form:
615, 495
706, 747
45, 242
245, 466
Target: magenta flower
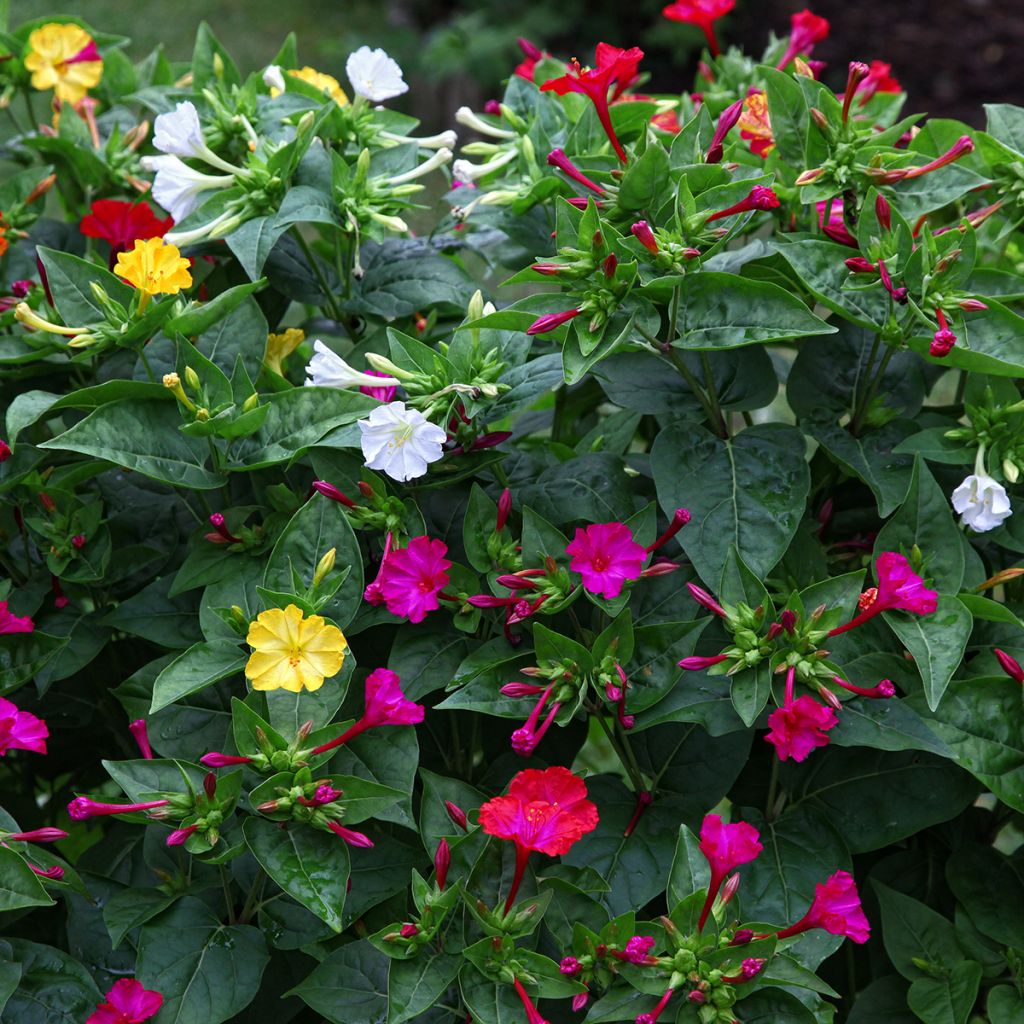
1010, 665
141, 734
328, 490
82, 807
726, 846
526, 738
411, 578
127, 1003
652, 1017
606, 555
385, 705
636, 951
836, 909
364, 842
726, 122
552, 321
558, 159
181, 835
806, 30
217, 760
11, 623
835, 227
21, 730
761, 198
38, 835
899, 589
943, 339
382, 394
799, 726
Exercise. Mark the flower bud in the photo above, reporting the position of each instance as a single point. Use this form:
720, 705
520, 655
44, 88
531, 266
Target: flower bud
442, 862
324, 567
457, 814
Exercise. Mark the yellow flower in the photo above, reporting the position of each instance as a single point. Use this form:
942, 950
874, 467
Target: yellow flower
155, 267
291, 652
319, 80
63, 57
281, 346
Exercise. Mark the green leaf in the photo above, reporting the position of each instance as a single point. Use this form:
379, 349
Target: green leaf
751, 494
207, 971
592, 487
1005, 1005
130, 908
947, 1000
415, 986
645, 180
202, 317
143, 436
54, 988
771, 1006
991, 888
722, 311
349, 986
252, 243
690, 869
885, 725
70, 279
19, 886
310, 865
402, 277
200, 666
936, 641
882, 1002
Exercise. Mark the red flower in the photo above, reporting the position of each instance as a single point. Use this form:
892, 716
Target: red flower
836, 909
806, 29
726, 846
410, 578
531, 54
21, 730
121, 224
544, 811
800, 726
606, 555
613, 65
703, 14
127, 1003
10, 623
899, 588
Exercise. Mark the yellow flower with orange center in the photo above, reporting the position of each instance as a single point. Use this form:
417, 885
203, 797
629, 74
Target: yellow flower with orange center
292, 652
327, 84
63, 57
281, 346
155, 267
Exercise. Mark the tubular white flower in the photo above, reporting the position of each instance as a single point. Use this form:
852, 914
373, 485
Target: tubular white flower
442, 140
374, 75
328, 370
389, 221
400, 442
273, 77
438, 159
471, 120
463, 170
180, 133
178, 188
214, 229
982, 502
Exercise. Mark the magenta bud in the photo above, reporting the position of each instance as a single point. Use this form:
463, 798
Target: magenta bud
788, 621
218, 523
442, 862
580, 1000
457, 814
551, 321
5, 450
697, 997
139, 731
504, 508
407, 931
773, 631
703, 598
645, 236
1010, 665
609, 265
730, 888
38, 835
210, 785
522, 689
698, 664
332, 492
215, 760
742, 937
680, 518
570, 966
78, 541
883, 212
830, 698
357, 839
972, 306
181, 835
859, 265
55, 874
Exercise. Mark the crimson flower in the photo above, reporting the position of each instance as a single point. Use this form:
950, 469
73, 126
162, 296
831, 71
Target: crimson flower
545, 811
218, 760
943, 339
726, 846
385, 705
121, 224
835, 227
140, 733
899, 588
799, 726
701, 13
410, 578
636, 951
606, 555
21, 730
127, 1003
37, 835
613, 65
531, 54
11, 623
836, 909
806, 29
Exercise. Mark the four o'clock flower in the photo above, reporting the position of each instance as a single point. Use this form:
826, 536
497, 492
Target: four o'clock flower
399, 441
806, 30
141, 735
127, 1003
943, 339
374, 75
351, 837
606, 555
726, 120
961, 147
558, 159
385, 704
899, 588
982, 502
761, 198
411, 578
526, 738
179, 133
703, 14
82, 808
178, 188
656, 1011
836, 909
552, 321
1010, 665
328, 370
726, 847
21, 730
613, 65
11, 623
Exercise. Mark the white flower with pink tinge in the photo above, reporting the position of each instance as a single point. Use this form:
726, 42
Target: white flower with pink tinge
400, 442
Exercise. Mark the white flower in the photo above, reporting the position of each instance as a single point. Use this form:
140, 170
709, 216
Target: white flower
982, 502
466, 171
435, 160
179, 132
273, 77
328, 370
401, 442
374, 75
178, 188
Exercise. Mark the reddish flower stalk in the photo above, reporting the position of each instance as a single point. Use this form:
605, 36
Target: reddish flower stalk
557, 158
883, 690
644, 799
680, 518
651, 1018
533, 1015
761, 198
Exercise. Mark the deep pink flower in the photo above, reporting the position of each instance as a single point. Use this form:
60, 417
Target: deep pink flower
11, 623
613, 65
806, 30
21, 730
705, 600
800, 726
364, 842
883, 690
836, 908
878, 79
642, 232
5, 454
526, 738
382, 394
325, 794
181, 835
557, 158
216, 760
899, 588
726, 121
55, 873
726, 846
606, 555
533, 1015
652, 1017
835, 227
701, 13
385, 705
943, 339
141, 733
127, 1003
569, 966
411, 578
38, 835
636, 951
749, 969
698, 664
552, 321
82, 807
761, 198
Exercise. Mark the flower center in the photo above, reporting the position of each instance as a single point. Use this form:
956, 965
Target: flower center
599, 563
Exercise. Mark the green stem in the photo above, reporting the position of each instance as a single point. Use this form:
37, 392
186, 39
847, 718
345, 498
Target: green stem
145, 363
869, 395
255, 892
695, 387
858, 399
558, 424
321, 277
961, 387
634, 766
228, 901
709, 383
634, 776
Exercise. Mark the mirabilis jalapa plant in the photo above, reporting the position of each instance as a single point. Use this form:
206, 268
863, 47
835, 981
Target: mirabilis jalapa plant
609, 647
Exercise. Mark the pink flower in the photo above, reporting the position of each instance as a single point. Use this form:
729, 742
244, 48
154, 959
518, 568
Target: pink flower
899, 588
1010, 665
411, 578
533, 1015
726, 122
382, 394
806, 30
385, 705
526, 738
698, 664
82, 807
835, 227
943, 339
557, 158
761, 198
358, 839
701, 13
878, 79
606, 555
141, 733
216, 760
127, 1003
38, 835
552, 321
726, 846
21, 730
328, 490
652, 1017
836, 908
800, 726
636, 951
181, 835
10, 623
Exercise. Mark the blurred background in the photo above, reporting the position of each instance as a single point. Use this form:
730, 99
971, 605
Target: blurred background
950, 56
